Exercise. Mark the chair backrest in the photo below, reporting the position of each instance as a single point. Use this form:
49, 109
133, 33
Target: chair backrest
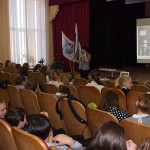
50, 88
96, 117
6, 139
7, 69
14, 76
40, 78
72, 125
132, 97
8, 77
31, 74
47, 103
2, 75
121, 95
89, 94
72, 89
15, 98
15, 70
140, 88
30, 101
4, 95
80, 81
26, 141
110, 83
135, 131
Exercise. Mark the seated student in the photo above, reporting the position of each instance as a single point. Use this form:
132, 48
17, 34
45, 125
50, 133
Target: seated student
95, 77
16, 117
21, 81
111, 136
32, 85
143, 110
3, 109
110, 103
39, 125
55, 79
124, 83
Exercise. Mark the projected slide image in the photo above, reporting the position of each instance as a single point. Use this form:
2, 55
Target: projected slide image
143, 42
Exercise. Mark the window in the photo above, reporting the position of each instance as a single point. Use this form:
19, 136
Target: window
27, 31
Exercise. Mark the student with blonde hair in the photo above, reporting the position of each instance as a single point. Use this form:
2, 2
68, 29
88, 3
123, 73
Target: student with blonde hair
143, 110
124, 83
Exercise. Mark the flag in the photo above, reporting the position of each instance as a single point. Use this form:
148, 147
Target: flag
67, 48
77, 46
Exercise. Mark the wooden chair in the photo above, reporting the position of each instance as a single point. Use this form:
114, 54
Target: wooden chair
50, 88
110, 83
47, 103
31, 74
8, 77
72, 89
40, 79
4, 95
72, 125
96, 117
89, 94
2, 75
80, 81
7, 69
6, 139
15, 70
135, 131
132, 97
26, 141
140, 88
30, 101
121, 95
14, 76
15, 98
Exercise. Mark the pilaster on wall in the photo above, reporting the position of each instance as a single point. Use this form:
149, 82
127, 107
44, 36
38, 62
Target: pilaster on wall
147, 9
4, 31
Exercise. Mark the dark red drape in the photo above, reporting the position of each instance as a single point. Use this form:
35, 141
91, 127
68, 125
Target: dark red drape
61, 2
65, 20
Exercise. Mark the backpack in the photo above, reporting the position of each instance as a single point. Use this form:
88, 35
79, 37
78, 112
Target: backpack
70, 98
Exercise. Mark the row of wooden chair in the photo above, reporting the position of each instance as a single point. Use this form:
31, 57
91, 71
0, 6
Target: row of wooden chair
86, 94
17, 139
10, 77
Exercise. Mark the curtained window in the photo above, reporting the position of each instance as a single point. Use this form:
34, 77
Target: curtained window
27, 31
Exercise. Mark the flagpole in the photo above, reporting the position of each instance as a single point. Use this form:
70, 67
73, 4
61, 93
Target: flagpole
70, 65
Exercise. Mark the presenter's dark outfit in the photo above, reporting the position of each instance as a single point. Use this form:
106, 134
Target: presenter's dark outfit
84, 66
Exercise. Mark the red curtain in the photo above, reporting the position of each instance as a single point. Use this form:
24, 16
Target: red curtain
61, 2
65, 20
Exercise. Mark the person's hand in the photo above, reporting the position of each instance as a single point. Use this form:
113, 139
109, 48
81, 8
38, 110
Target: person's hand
131, 145
63, 139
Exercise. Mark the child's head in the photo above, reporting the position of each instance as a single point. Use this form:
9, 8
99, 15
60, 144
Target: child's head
124, 81
143, 103
109, 99
95, 75
21, 80
2, 108
16, 117
32, 84
39, 125
110, 136
64, 91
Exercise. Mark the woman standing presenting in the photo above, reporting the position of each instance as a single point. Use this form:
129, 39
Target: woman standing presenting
84, 63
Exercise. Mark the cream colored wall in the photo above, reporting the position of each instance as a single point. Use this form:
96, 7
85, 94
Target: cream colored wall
4, 31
